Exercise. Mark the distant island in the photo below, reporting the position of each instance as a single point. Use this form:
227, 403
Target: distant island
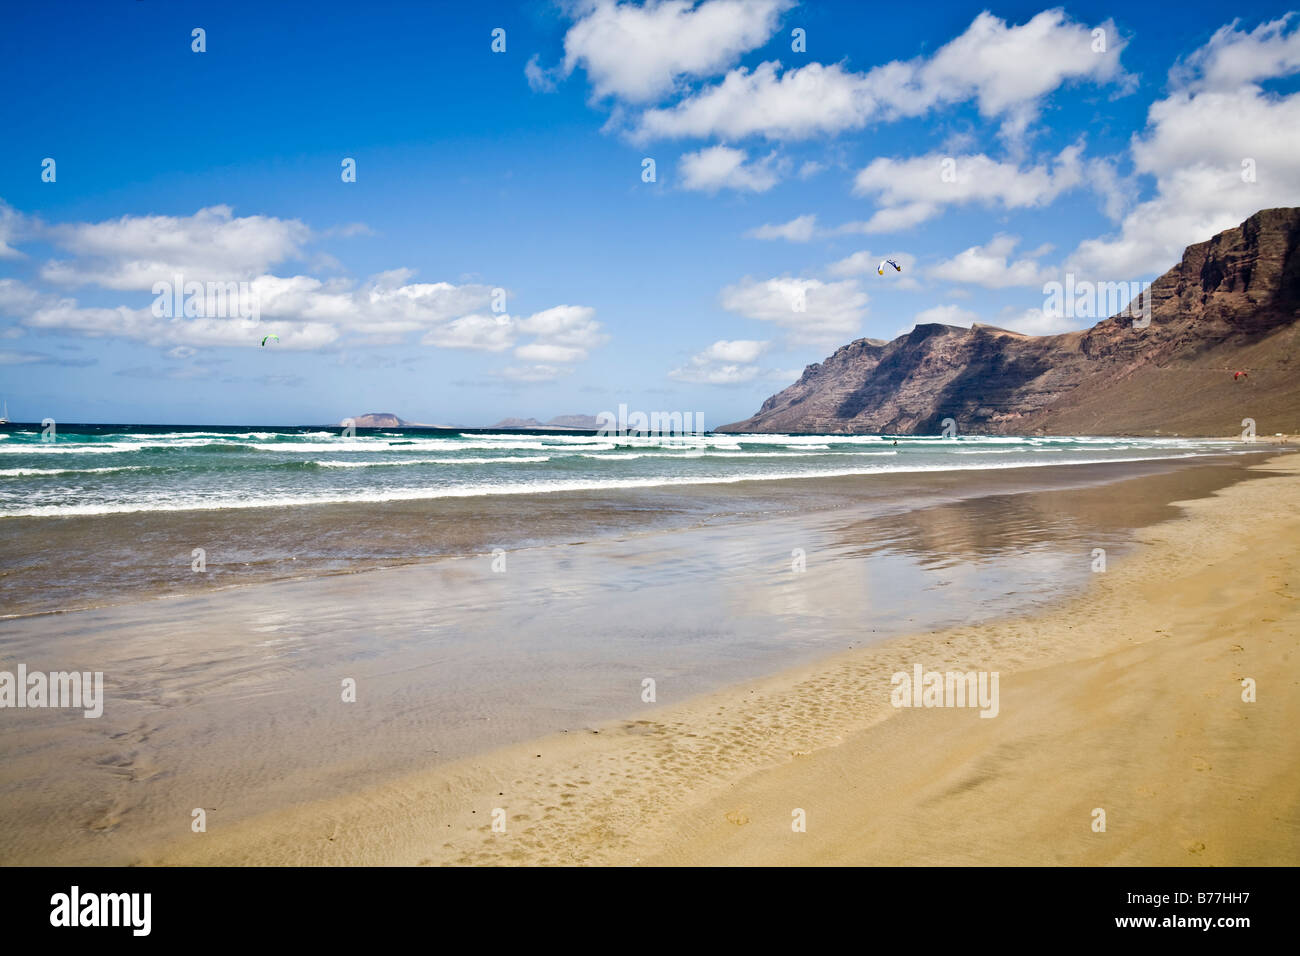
384, 420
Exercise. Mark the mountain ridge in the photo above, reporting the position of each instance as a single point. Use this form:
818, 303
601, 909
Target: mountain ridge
1231, 304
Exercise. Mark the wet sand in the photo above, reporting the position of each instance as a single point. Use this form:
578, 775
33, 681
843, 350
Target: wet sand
1126, 700
59, 564
230, 701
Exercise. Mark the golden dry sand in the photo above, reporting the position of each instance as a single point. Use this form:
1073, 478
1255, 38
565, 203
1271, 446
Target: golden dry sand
1128, 699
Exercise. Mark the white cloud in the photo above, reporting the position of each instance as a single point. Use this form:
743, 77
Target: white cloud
724, 363
572, 326
133, 252
476, 332
141, 325
896, 219
11, 222
958, 141
721, 167
804, 102
811, 311
715, 374
17, 299
910, 191
988, 265
1117, 193
735, 350
1008, 70
561, 335
799, 229
543, 352
212, 247
539, 79
1200, 144
1005, 70
858, 264
384, 309
1232, 59
864, 261
638, 53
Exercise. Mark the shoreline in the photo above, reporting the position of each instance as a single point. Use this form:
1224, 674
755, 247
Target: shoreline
150, 553
1092, 715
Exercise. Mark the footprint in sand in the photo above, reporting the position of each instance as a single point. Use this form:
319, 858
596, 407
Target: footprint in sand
737, 817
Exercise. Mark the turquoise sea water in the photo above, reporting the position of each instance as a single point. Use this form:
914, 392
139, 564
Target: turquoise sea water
111, 469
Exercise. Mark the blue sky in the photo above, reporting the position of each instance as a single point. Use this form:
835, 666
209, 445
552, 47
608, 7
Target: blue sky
782, 177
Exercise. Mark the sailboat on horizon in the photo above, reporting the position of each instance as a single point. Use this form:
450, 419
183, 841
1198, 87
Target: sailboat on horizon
4, 419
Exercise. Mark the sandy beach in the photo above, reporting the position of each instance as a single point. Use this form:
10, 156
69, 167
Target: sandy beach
1124, 695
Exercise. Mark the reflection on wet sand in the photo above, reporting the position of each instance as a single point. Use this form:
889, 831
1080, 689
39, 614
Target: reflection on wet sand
991, 526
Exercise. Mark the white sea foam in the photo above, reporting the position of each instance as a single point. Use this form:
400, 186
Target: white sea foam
25, 472
401, 447
433, 461
270, 499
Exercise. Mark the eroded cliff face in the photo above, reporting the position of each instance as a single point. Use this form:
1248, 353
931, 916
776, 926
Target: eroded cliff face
1232, 304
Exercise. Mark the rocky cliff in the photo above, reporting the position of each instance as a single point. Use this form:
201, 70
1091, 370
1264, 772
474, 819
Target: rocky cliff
1231, 305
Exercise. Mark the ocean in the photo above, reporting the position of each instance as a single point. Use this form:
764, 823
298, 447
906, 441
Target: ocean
106, 514
114, 469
